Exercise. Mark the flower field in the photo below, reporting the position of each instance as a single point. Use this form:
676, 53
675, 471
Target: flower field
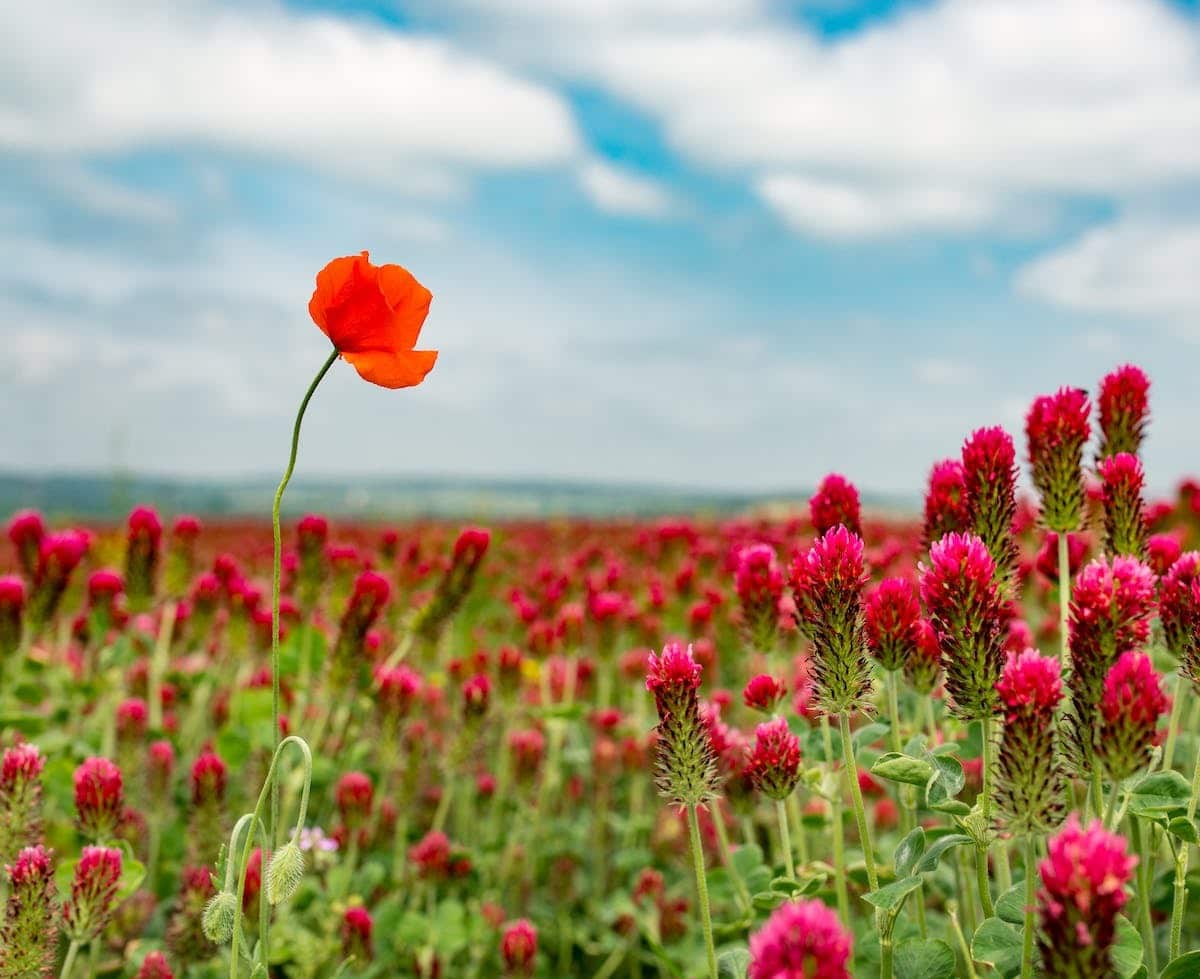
807, 744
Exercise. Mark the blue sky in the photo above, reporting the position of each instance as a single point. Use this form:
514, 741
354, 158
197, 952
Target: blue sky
721, 243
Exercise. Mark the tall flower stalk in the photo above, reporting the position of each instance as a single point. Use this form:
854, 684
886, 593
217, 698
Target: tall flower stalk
685, 769
827, 584
961, 590
1056, 429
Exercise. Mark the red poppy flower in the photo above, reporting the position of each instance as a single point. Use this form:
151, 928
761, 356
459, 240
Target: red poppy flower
373, 314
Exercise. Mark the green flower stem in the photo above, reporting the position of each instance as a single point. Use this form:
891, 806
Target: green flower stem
276, 576
981, 850
1143, 886
860, 810
1179, 903
1097, 790
886, 948
69, 962
796, 821
1111, 809
1030, 899
1168, 757
702, 890
785, 838
963, 947
1064, 601
839, 837
908, 794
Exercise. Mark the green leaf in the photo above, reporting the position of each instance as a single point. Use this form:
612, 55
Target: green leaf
946, 781
1127, 949
916, 746
733, 963
1160, 792
1187, 966
901, 768
908, 850
891, 896
1184, 828
133, 872
923, 959
785, 886
954, 807
867, 734
768, 900
998, 944
1011, 905
746, 858
934, 852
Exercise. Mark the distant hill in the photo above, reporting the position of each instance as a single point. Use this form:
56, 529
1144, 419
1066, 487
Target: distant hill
110, 496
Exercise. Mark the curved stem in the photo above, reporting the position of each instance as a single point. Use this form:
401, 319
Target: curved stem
860, 810
276, 575
702, 890
257, 822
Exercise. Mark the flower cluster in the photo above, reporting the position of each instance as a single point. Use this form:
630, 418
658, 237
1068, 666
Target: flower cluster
93, 893
1124, 409
685, 768
774, 763
1056, 429
29, 934
801, 940
1110, 614
990, 474
1029, 783
759, 584
959, 589
834, 504
1132, 703
20, 799
1179, 610
892, 620
945, 502
1122, 479
1083, 890
827, 584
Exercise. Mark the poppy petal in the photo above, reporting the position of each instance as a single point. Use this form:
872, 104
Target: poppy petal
330, 281
409, 302
392, 369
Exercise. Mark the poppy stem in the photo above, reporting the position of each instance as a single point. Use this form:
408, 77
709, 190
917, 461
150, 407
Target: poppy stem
276, 575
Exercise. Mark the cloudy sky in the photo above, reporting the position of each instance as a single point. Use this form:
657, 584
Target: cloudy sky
726, 243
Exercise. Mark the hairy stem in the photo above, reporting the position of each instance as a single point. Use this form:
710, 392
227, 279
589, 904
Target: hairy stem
702, 890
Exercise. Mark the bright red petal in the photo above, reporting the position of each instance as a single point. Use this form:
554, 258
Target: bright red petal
390, 369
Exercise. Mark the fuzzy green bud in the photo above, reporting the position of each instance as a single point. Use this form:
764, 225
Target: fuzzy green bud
219, 915
284, 873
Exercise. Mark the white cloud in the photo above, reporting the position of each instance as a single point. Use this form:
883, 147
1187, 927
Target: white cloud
949, 115
845, 210
1143, 268
123, 75
620, 191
